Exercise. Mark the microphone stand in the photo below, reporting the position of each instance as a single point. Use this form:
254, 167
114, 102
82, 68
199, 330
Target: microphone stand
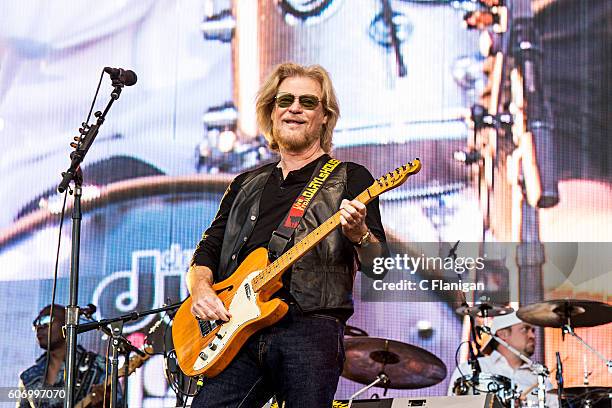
121, 344
75, 174
560, 382
473, 357
537, 368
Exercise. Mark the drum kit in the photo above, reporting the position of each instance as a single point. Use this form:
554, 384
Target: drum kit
392, 364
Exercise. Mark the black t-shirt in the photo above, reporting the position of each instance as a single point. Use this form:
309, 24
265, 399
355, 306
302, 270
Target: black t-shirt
277, 197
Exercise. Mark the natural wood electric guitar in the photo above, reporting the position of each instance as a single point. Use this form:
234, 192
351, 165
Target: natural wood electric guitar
205, 348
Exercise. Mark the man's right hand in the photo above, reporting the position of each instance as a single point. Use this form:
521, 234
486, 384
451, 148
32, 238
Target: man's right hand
205, 304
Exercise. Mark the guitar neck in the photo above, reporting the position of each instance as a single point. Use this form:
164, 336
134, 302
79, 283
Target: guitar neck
284, 262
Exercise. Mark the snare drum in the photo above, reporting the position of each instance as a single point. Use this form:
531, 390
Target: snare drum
487, 383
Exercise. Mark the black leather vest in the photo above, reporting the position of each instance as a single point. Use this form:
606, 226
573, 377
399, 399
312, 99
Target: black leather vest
323, 278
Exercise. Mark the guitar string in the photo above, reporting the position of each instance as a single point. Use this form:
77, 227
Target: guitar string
272, 270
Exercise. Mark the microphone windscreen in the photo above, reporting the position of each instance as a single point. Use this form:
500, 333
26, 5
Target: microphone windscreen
129, 77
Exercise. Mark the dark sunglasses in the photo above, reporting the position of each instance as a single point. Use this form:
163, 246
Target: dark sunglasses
41, 321
309, 102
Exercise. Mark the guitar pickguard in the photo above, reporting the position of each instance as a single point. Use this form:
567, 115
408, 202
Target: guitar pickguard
243, 309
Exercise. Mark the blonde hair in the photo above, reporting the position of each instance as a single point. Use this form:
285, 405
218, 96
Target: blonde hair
265, 100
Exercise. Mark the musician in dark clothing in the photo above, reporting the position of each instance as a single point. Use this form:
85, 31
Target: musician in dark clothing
91, 367
299, 359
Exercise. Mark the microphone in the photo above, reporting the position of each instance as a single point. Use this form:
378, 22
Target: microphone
126, 76
559, 377
88, 310
474, 363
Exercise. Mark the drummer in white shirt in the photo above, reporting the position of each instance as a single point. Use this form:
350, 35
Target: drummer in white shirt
502, 362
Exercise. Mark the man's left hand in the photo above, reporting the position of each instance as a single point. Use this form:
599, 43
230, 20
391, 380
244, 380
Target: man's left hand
352, 218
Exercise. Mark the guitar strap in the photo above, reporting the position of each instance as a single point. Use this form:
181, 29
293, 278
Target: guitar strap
283, 234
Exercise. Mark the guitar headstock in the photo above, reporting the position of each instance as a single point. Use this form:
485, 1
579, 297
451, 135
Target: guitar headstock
395, 178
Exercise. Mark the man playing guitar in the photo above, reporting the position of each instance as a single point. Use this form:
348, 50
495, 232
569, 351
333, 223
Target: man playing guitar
299, 359
48, 326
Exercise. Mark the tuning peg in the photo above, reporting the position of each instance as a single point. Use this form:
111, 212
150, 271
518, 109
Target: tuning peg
98, 114
77, 138
74, 145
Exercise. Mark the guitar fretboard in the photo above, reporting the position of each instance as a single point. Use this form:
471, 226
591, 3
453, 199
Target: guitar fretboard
285, 261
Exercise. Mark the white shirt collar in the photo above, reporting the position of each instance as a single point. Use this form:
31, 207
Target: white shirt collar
498, 357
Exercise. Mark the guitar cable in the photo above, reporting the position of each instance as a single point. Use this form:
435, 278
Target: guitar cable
457, 356
171, 375
188, 387
53, 292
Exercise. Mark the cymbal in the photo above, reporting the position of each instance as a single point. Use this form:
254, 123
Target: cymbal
484, 310
407, 366
555, 313
354, 331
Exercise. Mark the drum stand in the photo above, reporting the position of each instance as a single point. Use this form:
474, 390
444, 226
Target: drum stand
568, 329
537, 368
382, 378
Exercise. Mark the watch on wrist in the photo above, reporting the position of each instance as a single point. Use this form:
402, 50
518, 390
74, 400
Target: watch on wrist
364, 240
